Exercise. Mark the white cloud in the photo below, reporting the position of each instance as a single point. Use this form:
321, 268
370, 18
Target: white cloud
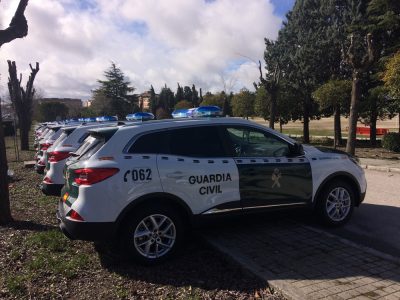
153, 41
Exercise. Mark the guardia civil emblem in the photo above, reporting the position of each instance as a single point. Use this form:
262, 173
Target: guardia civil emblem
276, 175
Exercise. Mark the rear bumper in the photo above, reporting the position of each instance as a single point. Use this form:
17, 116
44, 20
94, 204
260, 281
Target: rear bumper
51, 189
39, 168
88, 231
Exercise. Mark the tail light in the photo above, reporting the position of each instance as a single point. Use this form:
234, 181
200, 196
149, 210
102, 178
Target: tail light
89, 176
45, 146
47, 180
56, 156
75, 216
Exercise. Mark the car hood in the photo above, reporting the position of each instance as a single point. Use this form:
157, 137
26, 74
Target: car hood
322, 151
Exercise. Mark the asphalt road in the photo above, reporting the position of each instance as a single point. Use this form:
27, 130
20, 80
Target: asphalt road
376, 223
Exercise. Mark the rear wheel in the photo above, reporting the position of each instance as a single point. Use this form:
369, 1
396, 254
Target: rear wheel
336, 203
152, 235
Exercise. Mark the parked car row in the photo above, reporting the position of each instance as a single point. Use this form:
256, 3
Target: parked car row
145, 183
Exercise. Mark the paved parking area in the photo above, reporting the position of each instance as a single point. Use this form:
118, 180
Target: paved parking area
307, 263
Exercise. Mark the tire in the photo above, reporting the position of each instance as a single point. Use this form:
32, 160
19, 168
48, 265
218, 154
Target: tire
159, 234
336, 203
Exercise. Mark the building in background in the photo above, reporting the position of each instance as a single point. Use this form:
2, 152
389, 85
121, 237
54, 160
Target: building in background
144, 100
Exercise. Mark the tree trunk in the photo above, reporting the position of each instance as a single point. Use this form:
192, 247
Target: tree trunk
372, 126
337, 127
355, 95
306, 124
280, 126
24, 135
5, 212
272, 110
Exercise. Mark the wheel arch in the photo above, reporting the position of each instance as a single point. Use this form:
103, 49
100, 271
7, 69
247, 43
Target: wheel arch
346, 177
155, 198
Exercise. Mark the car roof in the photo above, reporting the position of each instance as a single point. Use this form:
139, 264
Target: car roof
175, 123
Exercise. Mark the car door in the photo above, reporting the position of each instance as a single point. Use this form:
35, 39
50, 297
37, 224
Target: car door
197, 170
269, 175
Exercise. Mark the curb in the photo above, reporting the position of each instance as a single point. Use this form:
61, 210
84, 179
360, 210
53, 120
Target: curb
381, 169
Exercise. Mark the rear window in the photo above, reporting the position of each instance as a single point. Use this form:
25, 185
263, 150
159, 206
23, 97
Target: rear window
89, 147
61, 138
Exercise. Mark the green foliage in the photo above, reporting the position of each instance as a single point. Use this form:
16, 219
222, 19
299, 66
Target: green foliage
332, 93
243, 104
391, 76
187, 93
50, 111
16, 285
153, 101
166, 100
262, 103
211, 99
183, 104
391, 141
195, 97
113, 95
179, 94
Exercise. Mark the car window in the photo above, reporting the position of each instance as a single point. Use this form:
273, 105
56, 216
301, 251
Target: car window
83, 137
249, 142
90, 146
150, 143
201, 141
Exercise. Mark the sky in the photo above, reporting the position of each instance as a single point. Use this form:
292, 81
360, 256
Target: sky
214, 44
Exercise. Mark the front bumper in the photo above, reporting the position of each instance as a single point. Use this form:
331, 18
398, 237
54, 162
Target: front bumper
89, 231
51, 189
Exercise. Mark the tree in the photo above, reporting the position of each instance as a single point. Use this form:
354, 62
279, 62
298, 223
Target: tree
115, 91
179, 94
334, 96
214, 100
195, 97
187, 93
22, 100
52, 111
243, 104
272, 76
153, 101
262, 103
360, 58
18, 28
183, 104
391, 78
166, 100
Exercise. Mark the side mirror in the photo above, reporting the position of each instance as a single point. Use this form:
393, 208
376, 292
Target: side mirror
296, 149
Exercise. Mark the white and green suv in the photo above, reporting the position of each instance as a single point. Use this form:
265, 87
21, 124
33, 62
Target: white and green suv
145, 183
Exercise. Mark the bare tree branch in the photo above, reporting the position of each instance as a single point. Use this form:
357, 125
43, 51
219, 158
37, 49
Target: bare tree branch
18, 27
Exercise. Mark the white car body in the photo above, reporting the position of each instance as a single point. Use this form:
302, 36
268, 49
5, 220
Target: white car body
196, 185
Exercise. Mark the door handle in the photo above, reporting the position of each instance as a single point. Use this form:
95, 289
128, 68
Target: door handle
175, 175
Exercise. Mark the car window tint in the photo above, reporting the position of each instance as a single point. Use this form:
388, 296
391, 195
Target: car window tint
150, 143
90, 146
201, 141
249, 142
83, 137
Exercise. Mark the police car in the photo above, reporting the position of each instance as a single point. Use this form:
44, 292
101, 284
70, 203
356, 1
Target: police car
144, 183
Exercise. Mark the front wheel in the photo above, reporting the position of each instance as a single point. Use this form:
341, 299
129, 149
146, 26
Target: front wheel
336, 203
152, 234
